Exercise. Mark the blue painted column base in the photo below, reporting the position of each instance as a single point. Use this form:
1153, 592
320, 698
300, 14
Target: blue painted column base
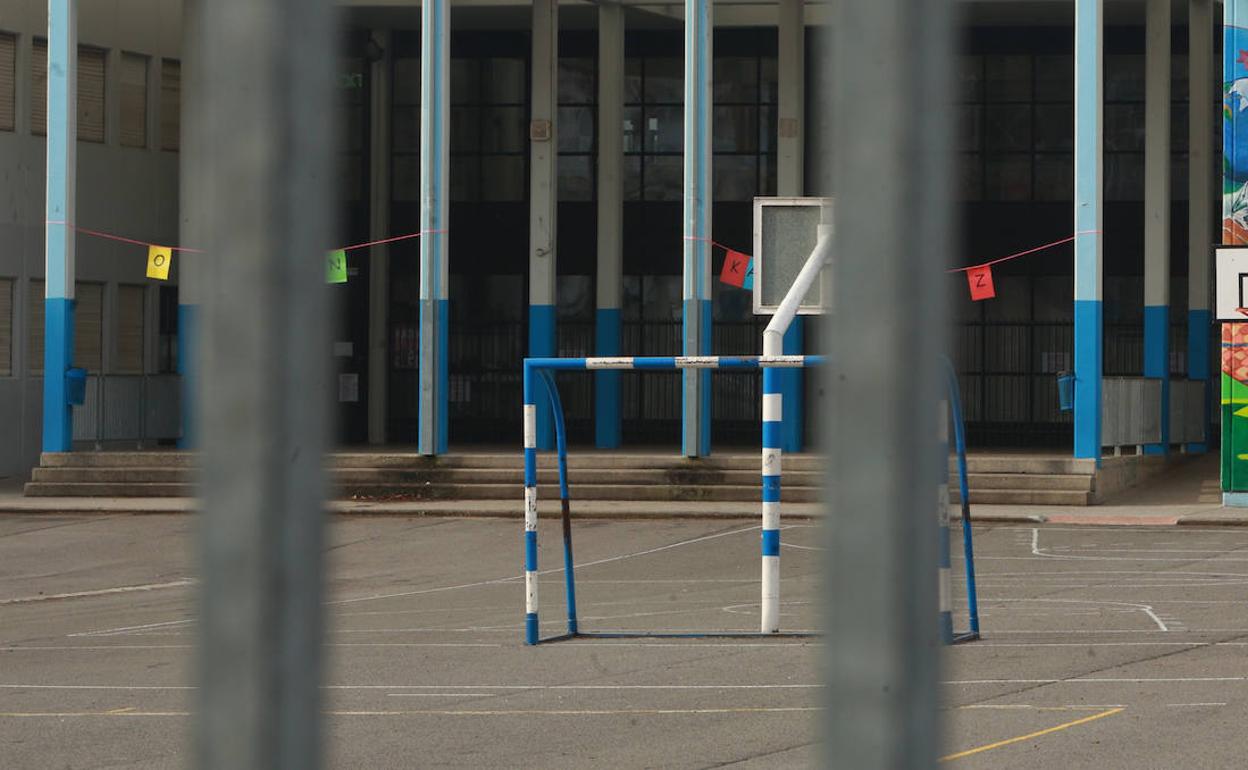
608, 411
188, 349
1199, 326
442, 374
58, 357
702, 419
543, 343
1157, 365
1088, 348
791, 387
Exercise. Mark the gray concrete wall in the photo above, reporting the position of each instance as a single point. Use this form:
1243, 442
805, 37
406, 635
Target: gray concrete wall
123, 190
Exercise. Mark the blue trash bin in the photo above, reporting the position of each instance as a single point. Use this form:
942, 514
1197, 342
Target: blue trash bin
1066, 391
76, 386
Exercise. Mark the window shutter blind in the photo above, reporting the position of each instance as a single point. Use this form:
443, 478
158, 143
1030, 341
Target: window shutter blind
39, 92
129, 330
88, 326
133, 100
170, 104
90, 94
6, 327
8, 91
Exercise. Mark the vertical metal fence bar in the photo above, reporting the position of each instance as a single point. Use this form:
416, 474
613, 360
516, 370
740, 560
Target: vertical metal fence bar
891, 172
264, 160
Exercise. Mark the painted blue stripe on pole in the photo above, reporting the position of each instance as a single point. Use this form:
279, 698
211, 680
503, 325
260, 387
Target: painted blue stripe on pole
58, 330
771, 489
1088, 379
530, 550
655, 362
444, 374
773, 434
1199, 325
608, 405
771, 542
530, 467
542, 344
1157, 364
792, 387
530, 628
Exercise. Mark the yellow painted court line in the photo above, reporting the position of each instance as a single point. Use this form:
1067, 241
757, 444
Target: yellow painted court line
436, 712
1029, 736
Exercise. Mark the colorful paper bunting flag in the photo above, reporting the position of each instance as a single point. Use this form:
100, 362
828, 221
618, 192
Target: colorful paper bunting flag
158, 259
336, 266
980, 280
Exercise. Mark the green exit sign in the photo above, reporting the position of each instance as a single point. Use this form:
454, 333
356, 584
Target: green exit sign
350, 80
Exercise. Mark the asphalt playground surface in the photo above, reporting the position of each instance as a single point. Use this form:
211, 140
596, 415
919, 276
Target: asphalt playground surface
1107, 647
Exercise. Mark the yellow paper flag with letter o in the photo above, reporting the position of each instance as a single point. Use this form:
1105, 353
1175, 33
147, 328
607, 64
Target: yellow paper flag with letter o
158, 259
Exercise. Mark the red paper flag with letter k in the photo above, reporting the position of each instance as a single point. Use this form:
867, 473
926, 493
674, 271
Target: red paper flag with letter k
736, 269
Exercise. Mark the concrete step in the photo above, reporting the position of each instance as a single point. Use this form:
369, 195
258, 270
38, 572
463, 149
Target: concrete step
1024, 497
628, 492
430, 491
1026, 464
745, 461
388, 476
986, 481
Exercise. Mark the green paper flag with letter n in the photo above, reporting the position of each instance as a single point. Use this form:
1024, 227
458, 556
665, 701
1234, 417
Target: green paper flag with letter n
336, 266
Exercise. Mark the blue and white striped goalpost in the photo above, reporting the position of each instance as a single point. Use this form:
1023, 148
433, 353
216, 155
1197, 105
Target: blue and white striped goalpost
540, 369
538, 375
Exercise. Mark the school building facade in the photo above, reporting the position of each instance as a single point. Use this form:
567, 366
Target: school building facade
554, 179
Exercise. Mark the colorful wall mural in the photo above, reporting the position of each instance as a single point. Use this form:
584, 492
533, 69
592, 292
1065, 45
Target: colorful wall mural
1234, 380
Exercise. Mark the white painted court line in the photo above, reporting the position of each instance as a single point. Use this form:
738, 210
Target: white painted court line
1144, 608
440, 589
1193, 705
1102, 680
98, 592
456, 687
1037, 551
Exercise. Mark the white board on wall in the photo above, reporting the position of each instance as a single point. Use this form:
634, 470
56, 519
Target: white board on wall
1230, 301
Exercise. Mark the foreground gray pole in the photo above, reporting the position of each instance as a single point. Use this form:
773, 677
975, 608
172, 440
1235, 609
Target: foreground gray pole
264, 156
891, 180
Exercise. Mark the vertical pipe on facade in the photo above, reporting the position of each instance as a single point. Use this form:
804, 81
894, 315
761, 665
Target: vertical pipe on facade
608, 331
543, 203
696, 311
1157, 208
1089, 16
59, 264
434, 175
790, 182
1200, 201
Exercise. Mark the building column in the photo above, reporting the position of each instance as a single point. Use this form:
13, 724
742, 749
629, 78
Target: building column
696, 318
62, 130
608, 329
193, 195
1089, 16
1199, 195
790, 181
1157, 207
543, 201
378, 228
435, 67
